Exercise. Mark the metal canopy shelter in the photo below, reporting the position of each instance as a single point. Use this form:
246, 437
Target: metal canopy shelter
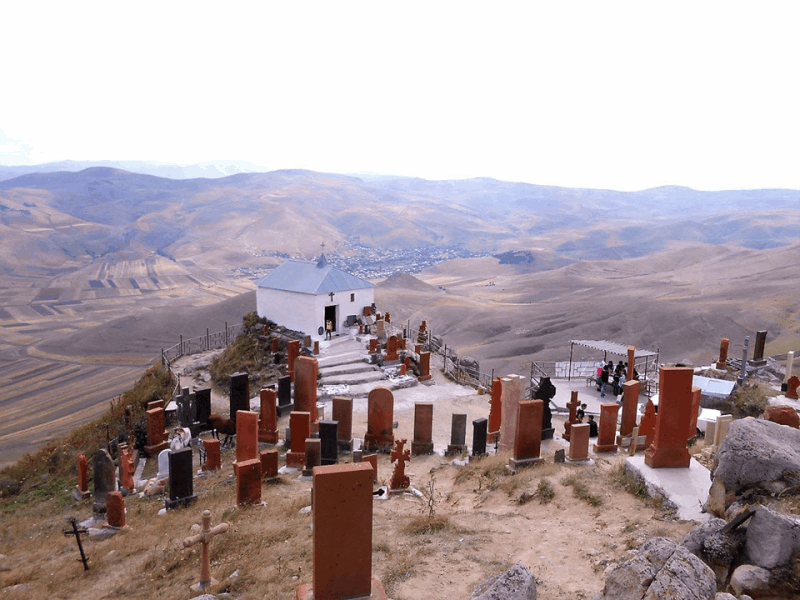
616, 349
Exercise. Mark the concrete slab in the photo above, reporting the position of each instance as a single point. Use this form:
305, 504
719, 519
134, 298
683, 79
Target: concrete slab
686, 488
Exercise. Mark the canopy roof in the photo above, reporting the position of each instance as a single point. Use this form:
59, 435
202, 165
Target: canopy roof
613, 348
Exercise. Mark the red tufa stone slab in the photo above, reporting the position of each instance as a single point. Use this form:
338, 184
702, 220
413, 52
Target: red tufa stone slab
292, 352
155, 404
607, 428
372, 459
306, 369
269, 462
424, 366
367, 311
423, 429
697, 395
402, 343
579, 442
83, 476
782, 414
669, 448
631, 362
268, 425
373, 346
647, 425
392, 346
403, 369
630, 402
274, 344
213, 455
380, 415
126, 469
316, 346
246, 435
155, 431
313, 455
723, 353
417, 349
115, 509
495, 409
528, 438
248, 481
342, 534
387, 317
343, 415
300, 427
792, 385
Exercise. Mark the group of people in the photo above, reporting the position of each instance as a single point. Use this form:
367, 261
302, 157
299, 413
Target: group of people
580, 414
609, 375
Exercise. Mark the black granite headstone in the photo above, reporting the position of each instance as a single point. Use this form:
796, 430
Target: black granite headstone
285, 403
240, 394
480, 428
105, 477
202, 405
185, 410
545, 392
181, 482
328, 432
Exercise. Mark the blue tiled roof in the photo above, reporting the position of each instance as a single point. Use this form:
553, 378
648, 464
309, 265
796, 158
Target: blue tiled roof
308, 277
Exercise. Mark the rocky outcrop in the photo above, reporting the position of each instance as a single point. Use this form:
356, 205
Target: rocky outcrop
757, 456
661, 569
716, 547
772, 538
751, 580
517, 583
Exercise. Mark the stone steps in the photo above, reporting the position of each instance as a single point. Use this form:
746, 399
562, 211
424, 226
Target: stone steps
352, 378
342, 359
347, 369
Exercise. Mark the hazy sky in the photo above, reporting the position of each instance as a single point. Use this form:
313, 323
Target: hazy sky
623, 95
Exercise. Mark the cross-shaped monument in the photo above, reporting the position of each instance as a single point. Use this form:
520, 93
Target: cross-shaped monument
400, 480
205, 538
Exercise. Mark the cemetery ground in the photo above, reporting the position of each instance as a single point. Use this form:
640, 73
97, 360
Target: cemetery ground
567, 522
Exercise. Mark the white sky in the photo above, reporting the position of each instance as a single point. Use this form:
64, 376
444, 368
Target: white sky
622, 95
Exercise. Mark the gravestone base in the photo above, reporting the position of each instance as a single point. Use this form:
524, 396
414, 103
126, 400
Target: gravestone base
515, 465
669, 458
296, 460
396, 491
604, 447
179, 501
284, 409
477, 456
378, 443
153, 450
306, 592
625, 442
268, 437
201, 586
757, 363
579, 461
345, 446
547, 434
456, 449
418, 448
80, 494
424, 378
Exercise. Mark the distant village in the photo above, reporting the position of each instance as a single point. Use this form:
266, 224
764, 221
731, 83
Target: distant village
372, 263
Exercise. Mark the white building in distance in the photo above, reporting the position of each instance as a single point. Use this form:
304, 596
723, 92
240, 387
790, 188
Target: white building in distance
302, 295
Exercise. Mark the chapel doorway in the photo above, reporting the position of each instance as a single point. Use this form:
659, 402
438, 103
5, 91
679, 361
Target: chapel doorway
330, 315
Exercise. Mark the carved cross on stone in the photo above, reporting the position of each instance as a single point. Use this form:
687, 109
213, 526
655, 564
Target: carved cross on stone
205, 538
399, 478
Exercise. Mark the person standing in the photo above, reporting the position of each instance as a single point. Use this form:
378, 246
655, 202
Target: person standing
604, 381
328, 329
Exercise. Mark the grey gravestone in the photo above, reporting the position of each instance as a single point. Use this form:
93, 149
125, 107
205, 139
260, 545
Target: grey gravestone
202, 405
560, 456
285, 403
240, 394
105, 478
181, 482
328, 432
163, 464
185, 409
758, 349
458, 435
313, 455
480, 428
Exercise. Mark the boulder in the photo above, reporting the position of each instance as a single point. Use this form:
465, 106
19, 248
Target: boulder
756, 456
721, 596
470, 366
783, 415
751, 580
772, 538
717, 549
661, 569
517, 583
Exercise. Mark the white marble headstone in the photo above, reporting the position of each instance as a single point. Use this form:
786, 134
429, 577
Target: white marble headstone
163, 465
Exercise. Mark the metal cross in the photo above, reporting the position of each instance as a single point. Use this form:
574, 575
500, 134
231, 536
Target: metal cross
331, 295
76, 531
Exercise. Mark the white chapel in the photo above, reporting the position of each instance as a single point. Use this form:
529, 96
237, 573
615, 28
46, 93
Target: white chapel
302, 295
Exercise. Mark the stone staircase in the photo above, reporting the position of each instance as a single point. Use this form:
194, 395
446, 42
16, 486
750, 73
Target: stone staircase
345, 362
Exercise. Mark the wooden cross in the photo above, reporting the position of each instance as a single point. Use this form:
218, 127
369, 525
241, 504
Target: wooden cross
76, 531
205, 538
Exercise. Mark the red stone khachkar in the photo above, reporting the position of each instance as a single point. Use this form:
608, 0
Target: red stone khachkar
723, 353
205, 537
647, 425
274, 344
669, 449
306, 369
342, 535
403, 369
607, 428
528, 438
387, 317
83, 477
380, 417
372, 459
268, 425
401, 457
631, 361
630, 404
572, 405
213, 455
392, 346
424, 366
342, 409
782, 414
292, 352
246, 435
373, 346
155, 432
269, 462
248, 481
495, 409
579, 442
423, 429
115, 509
300, 428
697, 396
126, 469
792, 385
316, 346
